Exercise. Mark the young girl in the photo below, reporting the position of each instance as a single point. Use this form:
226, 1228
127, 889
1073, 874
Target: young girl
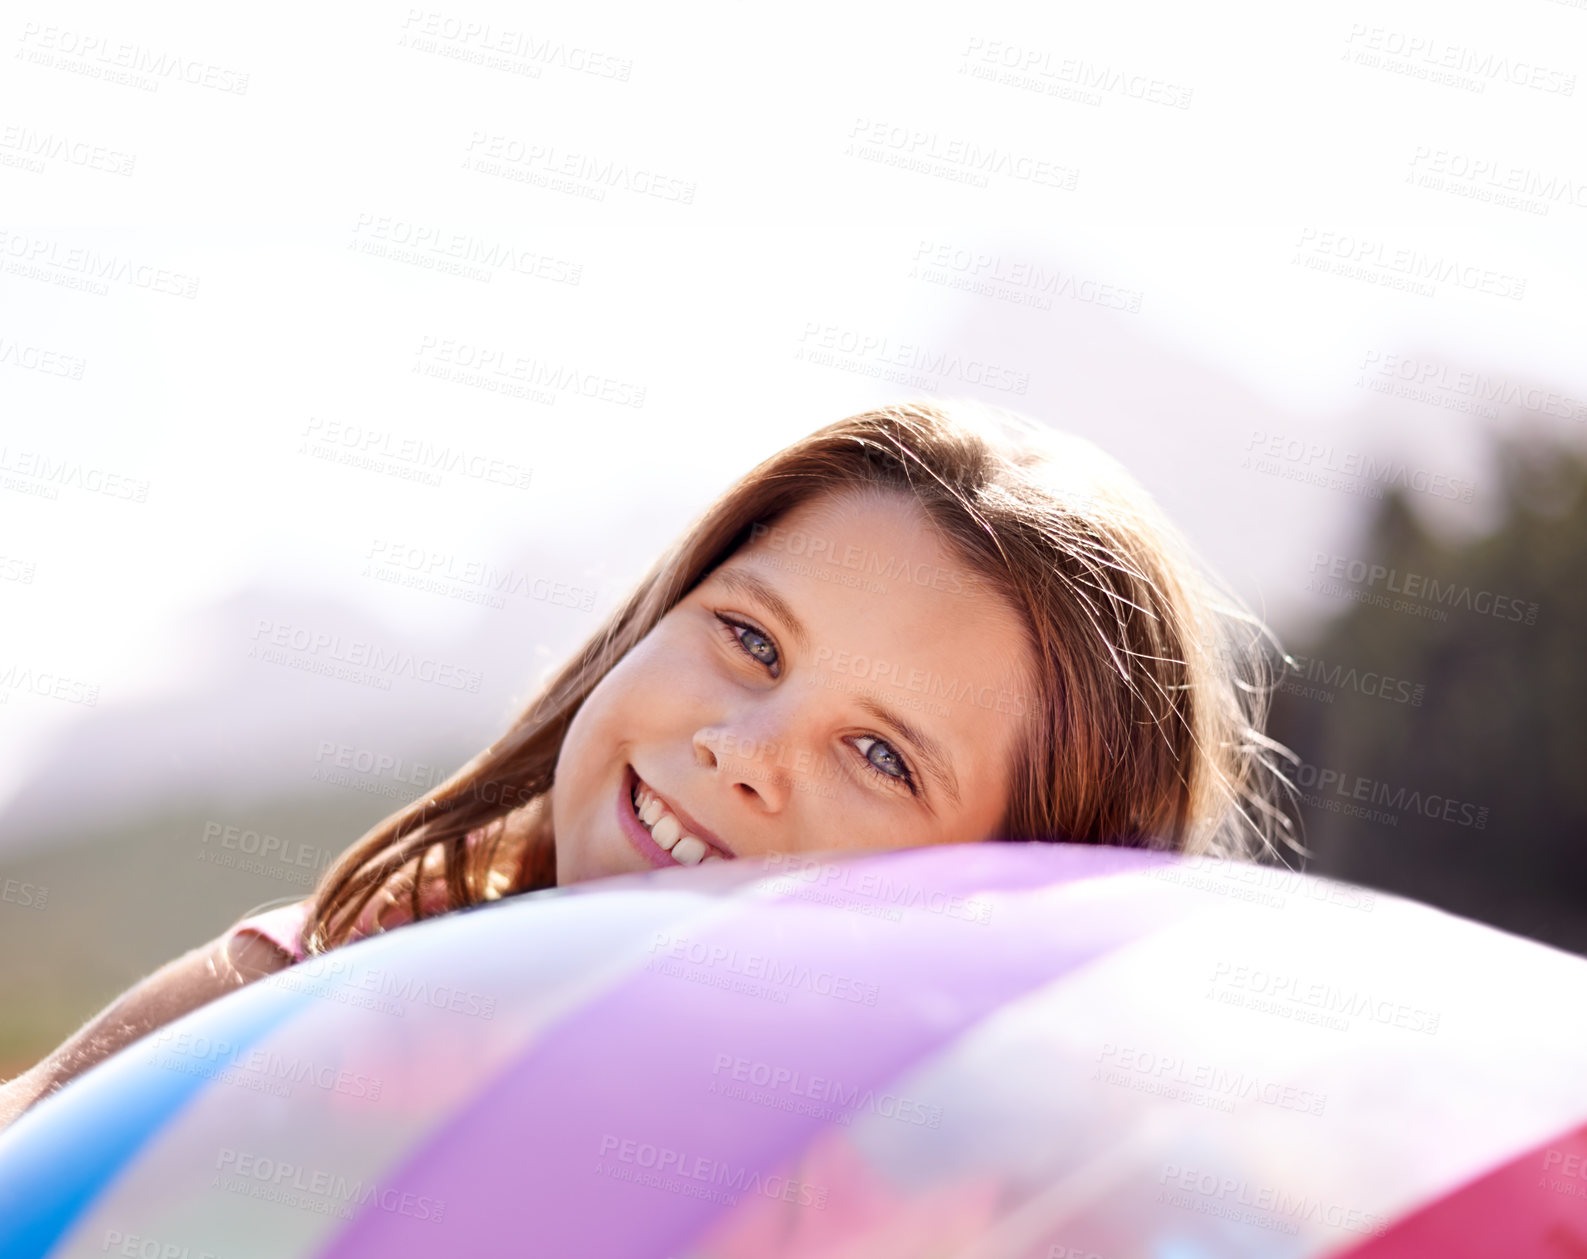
925, 624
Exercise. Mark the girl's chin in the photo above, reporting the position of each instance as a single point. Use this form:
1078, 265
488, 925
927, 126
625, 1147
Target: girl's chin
582, 864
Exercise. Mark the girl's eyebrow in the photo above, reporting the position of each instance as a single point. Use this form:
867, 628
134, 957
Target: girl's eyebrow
745, 582
935, 761
931, 755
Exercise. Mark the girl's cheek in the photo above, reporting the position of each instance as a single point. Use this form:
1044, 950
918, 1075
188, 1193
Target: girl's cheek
667, 662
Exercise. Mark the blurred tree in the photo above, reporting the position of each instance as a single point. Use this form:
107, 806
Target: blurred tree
1470, 793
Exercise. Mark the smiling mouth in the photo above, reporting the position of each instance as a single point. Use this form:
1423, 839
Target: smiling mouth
668, 832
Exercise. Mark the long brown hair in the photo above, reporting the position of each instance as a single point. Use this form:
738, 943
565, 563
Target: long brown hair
1152, 681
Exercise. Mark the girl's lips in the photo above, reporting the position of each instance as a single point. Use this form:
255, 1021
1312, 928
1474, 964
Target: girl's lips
636, 834
689, 825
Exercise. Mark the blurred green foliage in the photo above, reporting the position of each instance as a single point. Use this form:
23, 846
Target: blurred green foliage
1499, 723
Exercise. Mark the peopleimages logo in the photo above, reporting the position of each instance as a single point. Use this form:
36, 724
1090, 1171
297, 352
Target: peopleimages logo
1414, 589
381, 443
872, 354
1089, 78
764, 967
53, 474
1323, 782
815, 547
272, 639
1366, 258
481, 39
836, 1100
1269, 1206
115, 60
258, 1065
1279, 449
17, 680
801, 878
1278, 990
922, 682
1435, 377
957, 151
1429, 51
1202, 1083
41, 146
1019, 281
48, 255
704, 1171
316, 1189
324, 975
1348, 678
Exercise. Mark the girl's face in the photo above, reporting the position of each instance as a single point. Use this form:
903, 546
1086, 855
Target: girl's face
869, 697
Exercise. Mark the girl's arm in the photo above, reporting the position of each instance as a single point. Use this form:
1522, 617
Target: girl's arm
194, 979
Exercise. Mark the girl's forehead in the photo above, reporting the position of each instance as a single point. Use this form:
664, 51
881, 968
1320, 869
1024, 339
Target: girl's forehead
881, 526
871, 577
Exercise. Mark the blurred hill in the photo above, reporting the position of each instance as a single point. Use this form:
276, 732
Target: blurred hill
81, 923
275, 681
140, 831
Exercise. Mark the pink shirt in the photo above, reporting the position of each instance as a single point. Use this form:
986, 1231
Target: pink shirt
283, 927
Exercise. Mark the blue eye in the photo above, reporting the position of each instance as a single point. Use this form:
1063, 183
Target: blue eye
765, 651
891, 754
758, 646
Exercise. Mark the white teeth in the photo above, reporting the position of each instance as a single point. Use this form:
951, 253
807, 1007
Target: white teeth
688, 851
667, 831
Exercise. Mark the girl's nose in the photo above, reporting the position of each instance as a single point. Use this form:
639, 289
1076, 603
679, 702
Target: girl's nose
758, 769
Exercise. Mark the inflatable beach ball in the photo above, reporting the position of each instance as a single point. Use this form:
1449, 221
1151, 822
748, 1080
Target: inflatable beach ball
1009, 1050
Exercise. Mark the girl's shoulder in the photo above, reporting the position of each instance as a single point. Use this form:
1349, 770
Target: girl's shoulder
284, 925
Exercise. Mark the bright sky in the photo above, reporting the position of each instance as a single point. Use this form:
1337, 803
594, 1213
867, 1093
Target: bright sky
766, 182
